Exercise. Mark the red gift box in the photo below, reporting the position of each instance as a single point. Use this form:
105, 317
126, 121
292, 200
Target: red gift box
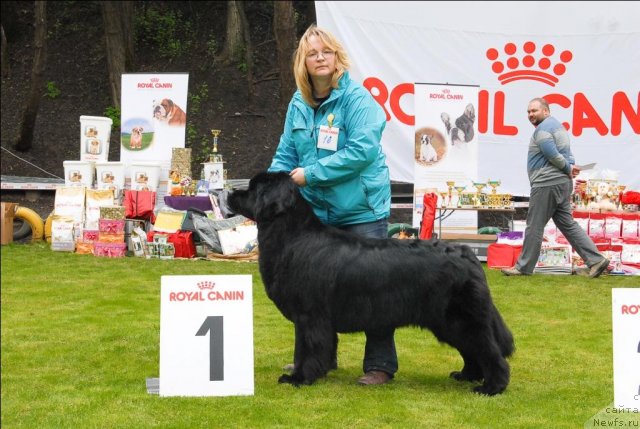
502, 255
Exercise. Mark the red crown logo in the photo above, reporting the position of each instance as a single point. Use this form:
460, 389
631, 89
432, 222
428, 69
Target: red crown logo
206, 285
528, 64
155, 79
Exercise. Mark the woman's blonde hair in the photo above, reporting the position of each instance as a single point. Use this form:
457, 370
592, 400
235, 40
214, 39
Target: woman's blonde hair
303, 82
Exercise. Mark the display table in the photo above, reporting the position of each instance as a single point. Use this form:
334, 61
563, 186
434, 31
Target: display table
445, 212
185, 203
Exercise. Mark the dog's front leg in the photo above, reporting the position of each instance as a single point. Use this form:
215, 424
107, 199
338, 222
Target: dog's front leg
314, 351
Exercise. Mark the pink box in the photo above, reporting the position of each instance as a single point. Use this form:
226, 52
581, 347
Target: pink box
109, 250
89, 236
111, 226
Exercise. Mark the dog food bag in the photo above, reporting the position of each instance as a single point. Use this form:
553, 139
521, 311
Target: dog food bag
95, 134
95, 199
69, 201
62, 233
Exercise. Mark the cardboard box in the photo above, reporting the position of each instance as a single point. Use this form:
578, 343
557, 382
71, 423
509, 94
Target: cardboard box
8, 211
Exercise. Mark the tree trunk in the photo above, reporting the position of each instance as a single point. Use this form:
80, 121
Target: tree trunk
25, 139
6, 70
113, 19
128, 34
284, 28
233, 43
248, 53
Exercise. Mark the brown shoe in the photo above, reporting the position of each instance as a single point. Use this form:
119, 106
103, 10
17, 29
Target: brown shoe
374, 377
599, 268
513, 271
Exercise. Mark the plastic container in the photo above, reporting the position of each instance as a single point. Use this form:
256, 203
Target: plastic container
110, 175
78, 173
95, 132
145, 176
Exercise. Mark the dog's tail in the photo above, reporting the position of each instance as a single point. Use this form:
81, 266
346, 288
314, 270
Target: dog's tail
502, 334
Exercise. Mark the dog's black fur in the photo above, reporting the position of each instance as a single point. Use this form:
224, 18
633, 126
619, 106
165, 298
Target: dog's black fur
326, 281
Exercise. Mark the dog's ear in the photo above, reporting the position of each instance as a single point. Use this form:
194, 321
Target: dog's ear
275, 194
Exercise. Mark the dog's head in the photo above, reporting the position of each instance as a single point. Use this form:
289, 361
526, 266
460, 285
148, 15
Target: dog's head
136, 131
268, 196
470, 112
425, 139
159, 112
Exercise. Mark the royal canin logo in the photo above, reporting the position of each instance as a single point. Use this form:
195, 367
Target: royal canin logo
155, 79
529, 64
206, 285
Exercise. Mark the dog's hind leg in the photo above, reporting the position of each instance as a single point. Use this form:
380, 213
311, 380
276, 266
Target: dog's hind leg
471, 370
482, 357
495, 371
316, 343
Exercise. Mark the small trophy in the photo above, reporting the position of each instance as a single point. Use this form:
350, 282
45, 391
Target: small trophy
443, 203
460, 190
215, 157
494, 184
479, 187
450, 185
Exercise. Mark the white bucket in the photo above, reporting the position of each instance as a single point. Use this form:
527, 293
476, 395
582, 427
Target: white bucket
78, 173
95, 133
110, 175
145, 176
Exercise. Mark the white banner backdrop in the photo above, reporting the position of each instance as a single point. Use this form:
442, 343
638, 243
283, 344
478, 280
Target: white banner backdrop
153, 114
583, 57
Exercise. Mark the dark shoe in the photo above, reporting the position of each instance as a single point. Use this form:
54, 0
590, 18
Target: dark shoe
597, 269
374, 377
513, 271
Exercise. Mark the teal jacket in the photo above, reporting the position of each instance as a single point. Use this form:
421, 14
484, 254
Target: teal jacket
348, 186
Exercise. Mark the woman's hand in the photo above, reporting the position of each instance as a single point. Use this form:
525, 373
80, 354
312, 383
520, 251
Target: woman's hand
297, 175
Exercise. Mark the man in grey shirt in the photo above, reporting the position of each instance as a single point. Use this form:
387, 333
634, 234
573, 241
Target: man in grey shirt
551, 168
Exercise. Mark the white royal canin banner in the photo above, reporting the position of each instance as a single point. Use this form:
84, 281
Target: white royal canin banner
153, 116
582, 57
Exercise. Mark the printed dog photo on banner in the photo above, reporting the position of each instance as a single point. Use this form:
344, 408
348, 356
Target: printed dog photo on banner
430, 146
167, 112
136, 134
463, 131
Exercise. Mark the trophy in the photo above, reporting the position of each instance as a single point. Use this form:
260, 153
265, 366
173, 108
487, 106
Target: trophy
620, 189
450, 184
215, 157
479, 187
494, 184
460, 190
443, 195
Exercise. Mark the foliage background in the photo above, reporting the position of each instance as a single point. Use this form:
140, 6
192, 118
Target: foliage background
171, 36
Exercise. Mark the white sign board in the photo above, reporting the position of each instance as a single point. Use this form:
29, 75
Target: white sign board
626, 348
206, 335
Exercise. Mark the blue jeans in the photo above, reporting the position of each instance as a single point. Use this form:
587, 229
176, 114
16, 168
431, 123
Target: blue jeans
380, 349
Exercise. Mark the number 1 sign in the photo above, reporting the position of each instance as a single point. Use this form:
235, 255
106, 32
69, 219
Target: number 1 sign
206, 335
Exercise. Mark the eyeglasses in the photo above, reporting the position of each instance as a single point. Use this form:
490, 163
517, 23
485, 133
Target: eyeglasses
326, 53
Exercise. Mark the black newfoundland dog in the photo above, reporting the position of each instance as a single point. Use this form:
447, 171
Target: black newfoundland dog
326, 281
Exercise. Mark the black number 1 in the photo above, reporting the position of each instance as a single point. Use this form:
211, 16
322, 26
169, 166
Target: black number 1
216, 346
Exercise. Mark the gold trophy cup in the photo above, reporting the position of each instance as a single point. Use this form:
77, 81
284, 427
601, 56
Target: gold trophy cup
214, 157
479, 187
494, 184
460, 190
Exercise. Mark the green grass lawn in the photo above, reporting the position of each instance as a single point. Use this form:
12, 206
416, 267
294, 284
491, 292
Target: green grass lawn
80, 335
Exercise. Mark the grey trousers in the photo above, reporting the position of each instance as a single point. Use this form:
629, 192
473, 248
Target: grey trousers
553, 202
